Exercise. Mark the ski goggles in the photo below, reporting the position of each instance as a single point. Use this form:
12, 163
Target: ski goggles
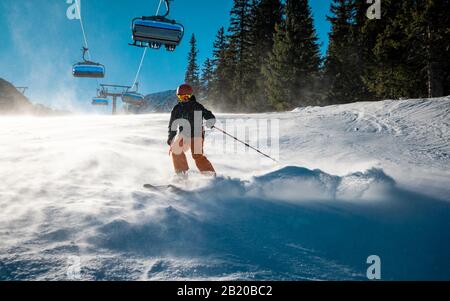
184, 97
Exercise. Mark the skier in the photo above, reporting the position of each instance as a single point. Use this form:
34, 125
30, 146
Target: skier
186, 132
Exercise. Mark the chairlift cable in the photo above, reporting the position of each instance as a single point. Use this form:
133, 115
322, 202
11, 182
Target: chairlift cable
159, 7
167, 7
86, 45
139, 69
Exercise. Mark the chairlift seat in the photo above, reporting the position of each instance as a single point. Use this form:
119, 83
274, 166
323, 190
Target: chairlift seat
154, 32
100, 102
133, 98
88, 69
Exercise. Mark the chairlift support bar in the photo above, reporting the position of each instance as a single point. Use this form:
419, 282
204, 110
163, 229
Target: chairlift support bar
104, 92
166, 2
115, 86
22, 89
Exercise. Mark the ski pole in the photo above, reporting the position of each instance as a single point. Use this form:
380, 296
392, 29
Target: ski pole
246, 144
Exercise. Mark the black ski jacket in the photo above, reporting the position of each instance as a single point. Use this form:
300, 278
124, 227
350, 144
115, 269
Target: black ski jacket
186, 111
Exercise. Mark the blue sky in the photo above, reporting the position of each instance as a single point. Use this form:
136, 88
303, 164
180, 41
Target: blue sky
38, 45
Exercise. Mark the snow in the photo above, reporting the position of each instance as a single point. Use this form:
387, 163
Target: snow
354, 180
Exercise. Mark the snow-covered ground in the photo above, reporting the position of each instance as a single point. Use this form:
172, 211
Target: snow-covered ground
353, 181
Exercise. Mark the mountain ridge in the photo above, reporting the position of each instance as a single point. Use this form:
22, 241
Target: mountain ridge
12, 102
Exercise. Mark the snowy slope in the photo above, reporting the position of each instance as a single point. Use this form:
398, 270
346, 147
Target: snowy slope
354, 180
408, 139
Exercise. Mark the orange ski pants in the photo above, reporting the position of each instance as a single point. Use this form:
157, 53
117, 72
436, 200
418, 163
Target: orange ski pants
182, 145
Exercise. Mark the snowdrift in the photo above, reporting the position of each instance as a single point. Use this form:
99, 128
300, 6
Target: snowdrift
292, 224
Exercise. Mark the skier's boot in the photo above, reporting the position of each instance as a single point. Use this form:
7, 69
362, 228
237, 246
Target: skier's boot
180, 177
210, 174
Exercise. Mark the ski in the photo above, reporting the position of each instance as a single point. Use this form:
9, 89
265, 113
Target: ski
163, 188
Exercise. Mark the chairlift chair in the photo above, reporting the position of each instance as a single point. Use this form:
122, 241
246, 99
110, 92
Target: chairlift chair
97, 101
133, 98
155, 31
88, 69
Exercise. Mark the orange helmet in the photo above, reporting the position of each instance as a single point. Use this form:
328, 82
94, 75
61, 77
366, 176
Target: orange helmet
185, 89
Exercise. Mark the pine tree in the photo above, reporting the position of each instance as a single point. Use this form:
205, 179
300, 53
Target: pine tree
239, 51
293, 65
220, 88
207, 78
219, 47
341, 66
369, 31
363, 38
394, 74
427, 29
411, 51
278, 79
192, 72
266, 15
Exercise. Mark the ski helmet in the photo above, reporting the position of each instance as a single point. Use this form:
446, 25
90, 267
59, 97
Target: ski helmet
185, 89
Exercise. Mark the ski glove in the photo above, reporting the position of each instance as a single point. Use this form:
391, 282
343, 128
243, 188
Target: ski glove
210, 123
